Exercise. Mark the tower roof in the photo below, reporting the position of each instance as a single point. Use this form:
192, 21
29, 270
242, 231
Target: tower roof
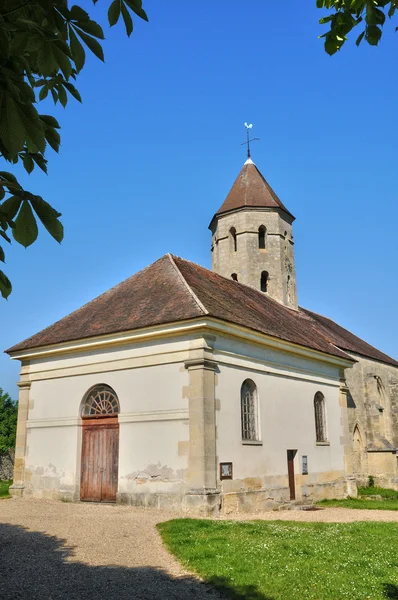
251, 190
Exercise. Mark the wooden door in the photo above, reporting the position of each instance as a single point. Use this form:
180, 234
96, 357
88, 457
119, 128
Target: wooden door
290, 470
100, 457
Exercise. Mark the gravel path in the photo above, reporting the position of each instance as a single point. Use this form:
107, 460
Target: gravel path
57, 551
61, 551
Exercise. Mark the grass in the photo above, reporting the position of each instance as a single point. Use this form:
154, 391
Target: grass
389, 500
4, 485
262, 560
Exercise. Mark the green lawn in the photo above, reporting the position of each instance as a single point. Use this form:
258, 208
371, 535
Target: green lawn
262, 560
389, 501
4, 485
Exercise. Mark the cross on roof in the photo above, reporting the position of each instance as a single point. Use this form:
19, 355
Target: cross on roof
248, 141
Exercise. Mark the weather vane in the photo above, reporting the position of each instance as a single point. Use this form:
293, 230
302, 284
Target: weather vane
248, 141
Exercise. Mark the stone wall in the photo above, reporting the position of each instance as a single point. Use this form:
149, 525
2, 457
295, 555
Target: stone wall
373, 420
249, 261
7, 465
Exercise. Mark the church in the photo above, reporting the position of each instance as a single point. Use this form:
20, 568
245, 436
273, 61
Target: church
211, 392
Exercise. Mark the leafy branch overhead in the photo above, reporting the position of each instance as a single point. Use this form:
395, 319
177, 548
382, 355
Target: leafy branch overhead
345, 15
43, 47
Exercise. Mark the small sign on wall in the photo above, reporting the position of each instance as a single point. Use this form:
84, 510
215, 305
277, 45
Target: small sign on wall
304, 465
226, 470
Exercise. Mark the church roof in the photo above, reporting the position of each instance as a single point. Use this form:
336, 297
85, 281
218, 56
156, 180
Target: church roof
172, 289
251, 190
346, 340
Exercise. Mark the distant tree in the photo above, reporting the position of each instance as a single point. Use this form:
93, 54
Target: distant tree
8, 421
348, 14
42, 50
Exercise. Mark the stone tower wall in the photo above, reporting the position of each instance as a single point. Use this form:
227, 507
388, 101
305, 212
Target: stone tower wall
249, 260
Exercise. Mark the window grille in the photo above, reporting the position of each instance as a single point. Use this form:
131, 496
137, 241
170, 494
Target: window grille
320, 417
100, 401
249, 411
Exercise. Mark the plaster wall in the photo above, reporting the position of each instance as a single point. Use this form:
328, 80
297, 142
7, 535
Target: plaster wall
153, 422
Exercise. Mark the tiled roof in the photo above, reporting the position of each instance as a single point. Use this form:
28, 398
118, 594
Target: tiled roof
251, 190
346, 340
173, 289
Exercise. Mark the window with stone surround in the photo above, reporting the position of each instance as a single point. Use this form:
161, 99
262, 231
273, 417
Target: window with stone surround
249, 411
233, 240
100, 401
261, 237
320, 418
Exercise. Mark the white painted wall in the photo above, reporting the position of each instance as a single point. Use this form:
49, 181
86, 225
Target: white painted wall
286, 411
153, 416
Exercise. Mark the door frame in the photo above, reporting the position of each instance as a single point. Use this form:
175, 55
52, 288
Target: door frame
290, 473
94, 422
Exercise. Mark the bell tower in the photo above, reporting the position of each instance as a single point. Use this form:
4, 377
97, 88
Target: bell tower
252, 240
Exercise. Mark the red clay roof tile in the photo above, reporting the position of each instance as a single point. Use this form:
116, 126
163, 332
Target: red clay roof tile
251, 190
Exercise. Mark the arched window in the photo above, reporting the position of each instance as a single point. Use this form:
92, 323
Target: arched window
233, 239
248, 403
261, 237
234, 276
264, 281
100, 401
320, 417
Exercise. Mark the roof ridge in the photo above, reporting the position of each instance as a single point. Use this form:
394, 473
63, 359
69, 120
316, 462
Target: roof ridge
185, 283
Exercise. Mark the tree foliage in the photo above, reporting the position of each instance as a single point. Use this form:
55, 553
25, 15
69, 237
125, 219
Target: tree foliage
368, 15
43, 47
8, 422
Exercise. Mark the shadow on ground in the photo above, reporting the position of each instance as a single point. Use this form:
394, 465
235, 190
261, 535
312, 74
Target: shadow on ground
391, 591
36, 566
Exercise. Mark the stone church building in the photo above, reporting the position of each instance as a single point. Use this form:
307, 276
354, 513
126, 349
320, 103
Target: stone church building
207, 390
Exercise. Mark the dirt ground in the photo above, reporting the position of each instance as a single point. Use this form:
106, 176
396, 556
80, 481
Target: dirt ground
61, 551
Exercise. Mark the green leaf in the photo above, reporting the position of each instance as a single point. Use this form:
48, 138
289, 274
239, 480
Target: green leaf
5, 285
28, 163
49, 217
49, 120
91, 43
2, 255
43, 92
72, 90
78, 53
78, 14
40, 161
62, 95
9, 177
360, 38
53, 138
114, 12
92, 28
127, 19
136, 6
5, 236
11, 206
25, 231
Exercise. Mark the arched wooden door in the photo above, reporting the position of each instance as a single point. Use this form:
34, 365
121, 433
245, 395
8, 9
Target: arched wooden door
100, 446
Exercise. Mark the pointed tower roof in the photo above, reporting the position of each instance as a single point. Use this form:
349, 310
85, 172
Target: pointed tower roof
251, 190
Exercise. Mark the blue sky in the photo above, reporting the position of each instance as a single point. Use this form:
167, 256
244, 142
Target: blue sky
151, 153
